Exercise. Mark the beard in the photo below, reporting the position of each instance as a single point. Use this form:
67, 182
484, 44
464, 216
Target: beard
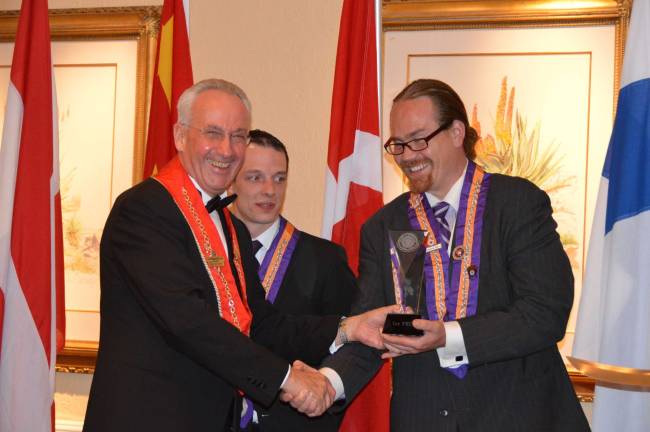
418, 185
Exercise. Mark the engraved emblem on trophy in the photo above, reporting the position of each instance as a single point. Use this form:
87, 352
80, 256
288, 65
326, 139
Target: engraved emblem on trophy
407, 254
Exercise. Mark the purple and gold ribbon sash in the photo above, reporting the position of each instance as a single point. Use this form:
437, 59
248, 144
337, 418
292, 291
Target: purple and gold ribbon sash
277, 259
436, 258
231, 306
452, 290
469, 232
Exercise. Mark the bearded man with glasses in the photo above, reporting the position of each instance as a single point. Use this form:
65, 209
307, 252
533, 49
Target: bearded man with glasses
497, 282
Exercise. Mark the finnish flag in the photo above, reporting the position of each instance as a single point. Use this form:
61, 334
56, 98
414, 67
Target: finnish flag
613, 327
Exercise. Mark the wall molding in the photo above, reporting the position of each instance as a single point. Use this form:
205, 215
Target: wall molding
68, 425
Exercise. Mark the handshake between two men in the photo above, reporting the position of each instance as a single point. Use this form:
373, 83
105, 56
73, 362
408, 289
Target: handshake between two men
311, 392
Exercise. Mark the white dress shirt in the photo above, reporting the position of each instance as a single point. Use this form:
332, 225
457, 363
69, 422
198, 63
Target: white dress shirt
266, 238
214, 215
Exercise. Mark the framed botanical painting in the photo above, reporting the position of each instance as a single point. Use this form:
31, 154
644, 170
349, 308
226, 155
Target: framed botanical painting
102, 58
539, 81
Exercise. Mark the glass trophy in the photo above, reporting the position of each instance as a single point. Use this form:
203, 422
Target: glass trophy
407, 253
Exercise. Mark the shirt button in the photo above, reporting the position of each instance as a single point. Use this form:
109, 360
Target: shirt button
444, 413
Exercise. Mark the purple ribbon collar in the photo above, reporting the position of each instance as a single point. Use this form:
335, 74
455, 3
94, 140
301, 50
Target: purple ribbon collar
277, 259
452, 282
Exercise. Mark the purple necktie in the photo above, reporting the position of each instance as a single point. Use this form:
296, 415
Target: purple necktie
439, 213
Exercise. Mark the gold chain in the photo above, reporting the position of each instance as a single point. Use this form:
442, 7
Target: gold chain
212, 256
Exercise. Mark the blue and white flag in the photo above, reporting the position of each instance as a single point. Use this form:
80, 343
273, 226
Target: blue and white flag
613, 326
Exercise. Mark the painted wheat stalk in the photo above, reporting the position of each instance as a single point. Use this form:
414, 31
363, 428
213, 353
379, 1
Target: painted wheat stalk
517, 151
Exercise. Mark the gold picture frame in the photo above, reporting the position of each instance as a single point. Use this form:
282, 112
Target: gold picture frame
139, 24
477, 14
408, 16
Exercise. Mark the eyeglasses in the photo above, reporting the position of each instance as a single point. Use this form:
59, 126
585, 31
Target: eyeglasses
418, 144
213, 133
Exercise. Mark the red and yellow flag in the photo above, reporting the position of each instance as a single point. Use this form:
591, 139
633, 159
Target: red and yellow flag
172, 75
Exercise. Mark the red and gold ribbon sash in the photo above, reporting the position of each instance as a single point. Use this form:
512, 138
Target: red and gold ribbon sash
231, 306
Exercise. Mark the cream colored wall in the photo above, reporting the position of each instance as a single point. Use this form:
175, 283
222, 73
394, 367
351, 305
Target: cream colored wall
65, 4
282, 53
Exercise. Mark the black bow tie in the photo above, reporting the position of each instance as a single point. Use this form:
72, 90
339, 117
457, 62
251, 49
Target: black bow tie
217, 203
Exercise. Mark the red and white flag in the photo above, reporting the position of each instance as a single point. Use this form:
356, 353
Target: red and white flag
354, 182
31, 247
172, 75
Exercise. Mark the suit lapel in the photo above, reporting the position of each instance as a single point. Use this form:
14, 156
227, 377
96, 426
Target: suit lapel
226, 232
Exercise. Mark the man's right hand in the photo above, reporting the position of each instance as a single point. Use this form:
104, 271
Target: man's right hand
434, 337
307, 390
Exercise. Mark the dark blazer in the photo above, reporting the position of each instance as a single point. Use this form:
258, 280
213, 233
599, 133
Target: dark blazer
167, 361
318, 281
517, 380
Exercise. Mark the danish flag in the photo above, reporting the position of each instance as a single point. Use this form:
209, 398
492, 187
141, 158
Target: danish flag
354, 181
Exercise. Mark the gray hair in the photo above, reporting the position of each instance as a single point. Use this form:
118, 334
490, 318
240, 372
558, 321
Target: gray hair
187, 98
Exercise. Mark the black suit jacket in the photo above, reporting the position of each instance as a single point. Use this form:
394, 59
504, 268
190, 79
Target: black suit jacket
318, 281
517, 380
167, 361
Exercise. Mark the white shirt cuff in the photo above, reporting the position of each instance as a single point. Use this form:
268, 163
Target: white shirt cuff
334, 347
335, 380
454, 353
286, 377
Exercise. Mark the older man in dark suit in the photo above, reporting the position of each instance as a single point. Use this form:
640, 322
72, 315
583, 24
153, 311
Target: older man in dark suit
185, 329
300, 273
498, 286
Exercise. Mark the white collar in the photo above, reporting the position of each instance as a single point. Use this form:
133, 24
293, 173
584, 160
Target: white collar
205, 197
453, 196
266, 238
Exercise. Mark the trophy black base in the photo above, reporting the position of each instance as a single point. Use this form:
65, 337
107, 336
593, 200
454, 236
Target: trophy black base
402, 324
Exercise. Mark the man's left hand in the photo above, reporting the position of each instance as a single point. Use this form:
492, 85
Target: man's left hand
434, 337
366, 327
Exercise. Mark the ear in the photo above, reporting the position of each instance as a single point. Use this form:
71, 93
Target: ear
179, 136
457, 131
233, 188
